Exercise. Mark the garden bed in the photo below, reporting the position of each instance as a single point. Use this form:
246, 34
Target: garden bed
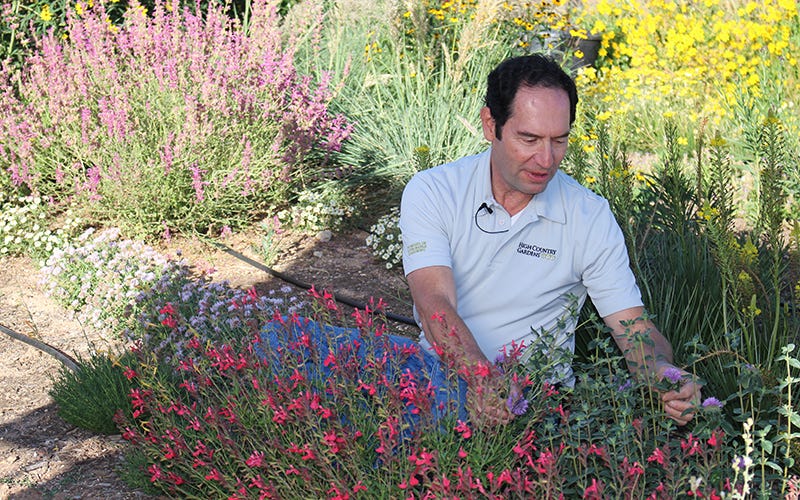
41, 456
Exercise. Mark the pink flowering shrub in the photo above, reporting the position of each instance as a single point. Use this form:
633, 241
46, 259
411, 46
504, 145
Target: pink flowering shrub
172, 120
220, 411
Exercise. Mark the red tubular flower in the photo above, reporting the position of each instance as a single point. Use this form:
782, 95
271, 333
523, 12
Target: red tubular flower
463, 429
594, 491
716, 438
169, 453
657, 456
690, 445
255, 460
214, 475
175, 479
167, 309
155, 473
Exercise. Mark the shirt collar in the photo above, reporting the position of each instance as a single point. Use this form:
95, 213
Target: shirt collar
548, 204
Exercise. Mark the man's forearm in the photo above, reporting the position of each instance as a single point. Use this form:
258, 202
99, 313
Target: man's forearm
444, 327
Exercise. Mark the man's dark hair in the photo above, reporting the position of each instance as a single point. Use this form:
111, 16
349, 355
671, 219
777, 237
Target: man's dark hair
525, 71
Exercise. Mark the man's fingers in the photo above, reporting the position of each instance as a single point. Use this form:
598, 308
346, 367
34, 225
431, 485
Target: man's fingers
689, 391
680, 411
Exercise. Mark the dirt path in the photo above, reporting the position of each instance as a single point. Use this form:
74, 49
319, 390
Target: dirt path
41, 456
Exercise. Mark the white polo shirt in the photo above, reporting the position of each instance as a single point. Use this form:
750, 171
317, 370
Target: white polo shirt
514, 281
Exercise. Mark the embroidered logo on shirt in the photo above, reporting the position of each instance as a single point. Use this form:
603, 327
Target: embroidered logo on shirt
417, 247
537, 251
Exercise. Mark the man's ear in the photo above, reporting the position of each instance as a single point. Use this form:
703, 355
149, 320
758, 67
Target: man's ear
488, 124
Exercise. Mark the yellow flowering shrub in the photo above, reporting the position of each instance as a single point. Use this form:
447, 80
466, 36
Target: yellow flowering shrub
528, 25
700, 58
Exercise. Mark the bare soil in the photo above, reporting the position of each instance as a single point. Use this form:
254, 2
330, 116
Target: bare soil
42, 456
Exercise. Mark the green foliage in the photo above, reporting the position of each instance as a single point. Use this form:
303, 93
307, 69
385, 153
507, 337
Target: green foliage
722, 297
90, 397
268, 248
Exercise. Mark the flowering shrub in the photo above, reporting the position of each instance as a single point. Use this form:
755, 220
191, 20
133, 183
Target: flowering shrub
210, 312
197, 120
24, 228
98, 279
316, 212
386, 240
224, 407
710, 61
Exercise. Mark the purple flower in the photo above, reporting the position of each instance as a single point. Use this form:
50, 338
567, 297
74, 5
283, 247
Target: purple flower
673, 374
712, 402
517, 406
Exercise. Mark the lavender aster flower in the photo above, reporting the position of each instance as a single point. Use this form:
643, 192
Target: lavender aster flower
518, 406
624, 387
673, 375
712, 402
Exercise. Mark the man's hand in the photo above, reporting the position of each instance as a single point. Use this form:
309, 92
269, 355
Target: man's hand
679, 404
486, 404
647, 352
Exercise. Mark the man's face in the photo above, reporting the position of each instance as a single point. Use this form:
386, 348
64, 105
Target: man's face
534, 141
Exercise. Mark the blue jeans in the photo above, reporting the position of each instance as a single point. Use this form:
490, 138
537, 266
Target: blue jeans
329, 351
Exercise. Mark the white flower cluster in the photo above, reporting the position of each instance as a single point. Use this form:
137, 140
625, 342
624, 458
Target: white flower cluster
99, 280
385, 239
24, 228
314, 213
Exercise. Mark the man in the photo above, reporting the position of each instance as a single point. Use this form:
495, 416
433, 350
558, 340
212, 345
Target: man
498, 244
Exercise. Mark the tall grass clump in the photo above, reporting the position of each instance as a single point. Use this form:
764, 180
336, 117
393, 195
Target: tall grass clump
171, 121
412, 79
91, 396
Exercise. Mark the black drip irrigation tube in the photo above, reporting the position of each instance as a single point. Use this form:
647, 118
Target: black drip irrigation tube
72, 364
344, 300
65, 358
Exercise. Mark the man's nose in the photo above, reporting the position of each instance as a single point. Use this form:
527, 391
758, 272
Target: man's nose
544, 156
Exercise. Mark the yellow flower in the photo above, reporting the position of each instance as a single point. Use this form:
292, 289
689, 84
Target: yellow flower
599, 26
79, 9
46, 14
605, 115
590, 179
718, 141
683, 141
